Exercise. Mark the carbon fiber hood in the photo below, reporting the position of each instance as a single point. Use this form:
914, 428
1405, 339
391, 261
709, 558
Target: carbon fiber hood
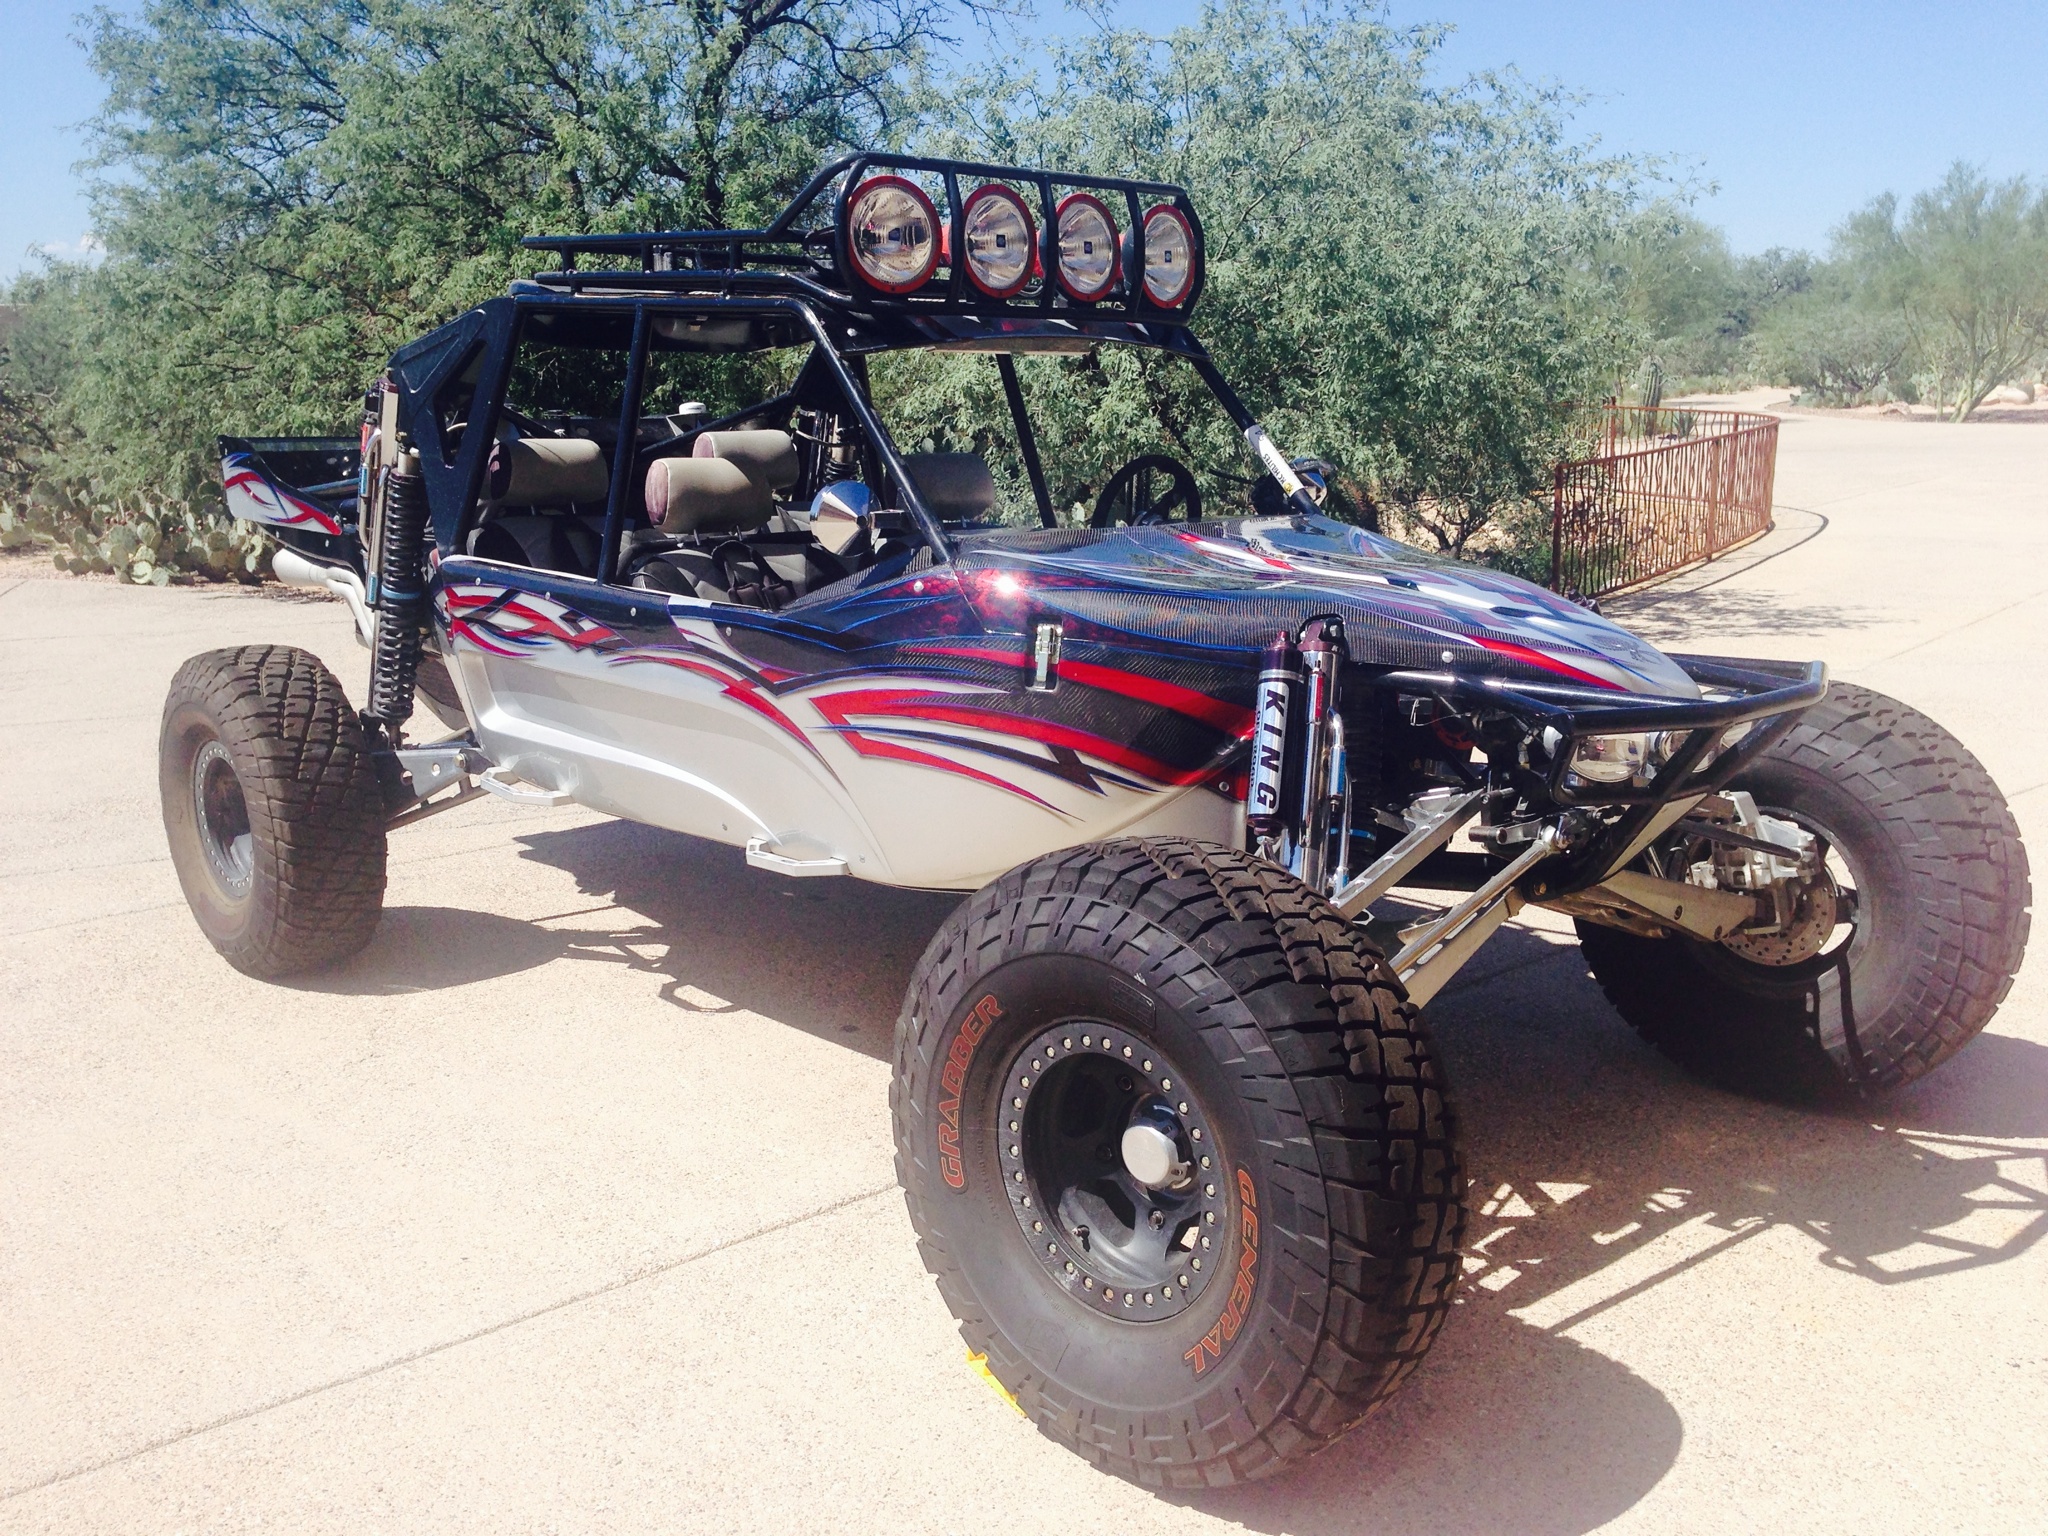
1232, 585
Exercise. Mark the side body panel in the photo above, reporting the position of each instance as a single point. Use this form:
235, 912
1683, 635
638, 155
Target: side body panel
880, 722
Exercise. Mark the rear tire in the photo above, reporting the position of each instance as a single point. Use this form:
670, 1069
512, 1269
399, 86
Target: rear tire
1218, 996
1941, 925
271, 808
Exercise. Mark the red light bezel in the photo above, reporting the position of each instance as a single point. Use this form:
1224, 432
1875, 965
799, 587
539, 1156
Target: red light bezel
931, 213
1031, 267
1116, 255
1187, 226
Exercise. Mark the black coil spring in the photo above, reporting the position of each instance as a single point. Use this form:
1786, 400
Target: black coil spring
401, 596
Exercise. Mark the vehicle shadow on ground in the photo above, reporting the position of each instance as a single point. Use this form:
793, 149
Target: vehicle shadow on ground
1599, 1173
829, 957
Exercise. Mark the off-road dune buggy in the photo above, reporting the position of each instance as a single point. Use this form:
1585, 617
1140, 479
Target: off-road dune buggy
1168, 1119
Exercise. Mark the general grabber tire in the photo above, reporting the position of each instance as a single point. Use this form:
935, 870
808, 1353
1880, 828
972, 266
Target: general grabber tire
1939, 925
272, 810
1175, 1011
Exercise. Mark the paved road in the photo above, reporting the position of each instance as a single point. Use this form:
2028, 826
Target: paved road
569, 1205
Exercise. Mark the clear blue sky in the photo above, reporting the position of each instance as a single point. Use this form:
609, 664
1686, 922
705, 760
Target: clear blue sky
1798, 110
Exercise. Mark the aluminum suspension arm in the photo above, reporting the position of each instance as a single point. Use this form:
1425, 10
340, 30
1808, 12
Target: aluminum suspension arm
1437, 950
1387, 871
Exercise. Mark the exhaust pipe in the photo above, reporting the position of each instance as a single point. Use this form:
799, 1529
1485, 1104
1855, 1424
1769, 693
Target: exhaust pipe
295, 570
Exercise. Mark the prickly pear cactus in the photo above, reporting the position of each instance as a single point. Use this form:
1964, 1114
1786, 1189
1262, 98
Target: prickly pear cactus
151, 543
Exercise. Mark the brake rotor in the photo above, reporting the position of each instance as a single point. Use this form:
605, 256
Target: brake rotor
1813, 924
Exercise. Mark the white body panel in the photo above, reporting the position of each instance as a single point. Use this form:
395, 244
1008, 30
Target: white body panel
683, 735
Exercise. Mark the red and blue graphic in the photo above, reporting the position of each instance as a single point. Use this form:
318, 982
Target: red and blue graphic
256, 498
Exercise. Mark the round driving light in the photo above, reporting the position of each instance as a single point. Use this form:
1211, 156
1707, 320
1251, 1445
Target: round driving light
892, 232
1000, 239
1087, 238
1169, 256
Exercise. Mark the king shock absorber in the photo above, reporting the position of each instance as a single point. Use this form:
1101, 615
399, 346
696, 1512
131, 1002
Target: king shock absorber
1323, 650
1265, 811
401, 593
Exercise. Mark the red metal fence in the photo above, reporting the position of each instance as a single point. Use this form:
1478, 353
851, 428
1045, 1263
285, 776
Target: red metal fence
1656, 490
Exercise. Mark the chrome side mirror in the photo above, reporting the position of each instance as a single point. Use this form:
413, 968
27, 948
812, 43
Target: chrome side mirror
839, 512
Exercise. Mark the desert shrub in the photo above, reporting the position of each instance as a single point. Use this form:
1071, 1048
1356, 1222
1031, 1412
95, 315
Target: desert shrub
1835, 350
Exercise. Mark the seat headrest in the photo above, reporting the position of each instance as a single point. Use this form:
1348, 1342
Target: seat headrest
705, 496
548, 472
956, 486
768, 456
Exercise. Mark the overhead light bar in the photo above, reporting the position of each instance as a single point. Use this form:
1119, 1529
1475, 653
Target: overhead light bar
1169, 256
892, 233
1001, 240
1087, 248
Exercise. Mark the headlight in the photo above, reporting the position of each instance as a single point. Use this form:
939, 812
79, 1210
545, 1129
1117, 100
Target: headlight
1000, 240
892, 231
1169, 256
1087, 241
1633, 757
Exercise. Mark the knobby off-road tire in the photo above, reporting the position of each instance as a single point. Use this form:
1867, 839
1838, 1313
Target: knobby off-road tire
1940, 927
271, 806
1325, 1172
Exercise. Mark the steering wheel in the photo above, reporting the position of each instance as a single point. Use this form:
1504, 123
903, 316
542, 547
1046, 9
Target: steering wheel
1152, 488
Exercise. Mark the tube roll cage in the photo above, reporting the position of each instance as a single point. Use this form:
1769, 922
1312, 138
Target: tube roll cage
454, 480
1771, 694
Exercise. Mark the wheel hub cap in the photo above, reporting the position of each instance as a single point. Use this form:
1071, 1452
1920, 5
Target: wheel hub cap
1152, 1151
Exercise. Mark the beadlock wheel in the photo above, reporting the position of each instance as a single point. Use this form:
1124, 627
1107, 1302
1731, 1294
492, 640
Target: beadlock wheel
1112, 1173
1178, 1154
222, 815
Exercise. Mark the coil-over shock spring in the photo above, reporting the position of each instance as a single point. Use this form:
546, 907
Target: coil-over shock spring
401, 594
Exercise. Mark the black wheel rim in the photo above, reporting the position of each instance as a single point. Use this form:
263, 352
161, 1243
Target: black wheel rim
223, 818
1141, 1252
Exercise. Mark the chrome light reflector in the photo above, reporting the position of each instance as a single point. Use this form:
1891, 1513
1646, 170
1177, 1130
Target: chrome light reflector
1632, 757
1087, 241
1000, 239
892, 232
1169, 256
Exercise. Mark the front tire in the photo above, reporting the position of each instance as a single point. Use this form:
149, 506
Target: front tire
1279, 1250
1940, 925
271, 809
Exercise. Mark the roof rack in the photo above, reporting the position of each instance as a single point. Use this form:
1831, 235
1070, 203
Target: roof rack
803, 251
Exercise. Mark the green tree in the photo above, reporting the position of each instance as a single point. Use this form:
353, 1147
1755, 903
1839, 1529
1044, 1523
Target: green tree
1966, 266
1402, 278
1697, 302
1839, 340
292, 188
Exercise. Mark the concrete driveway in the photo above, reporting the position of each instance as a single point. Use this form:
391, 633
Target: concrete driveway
569, 1205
